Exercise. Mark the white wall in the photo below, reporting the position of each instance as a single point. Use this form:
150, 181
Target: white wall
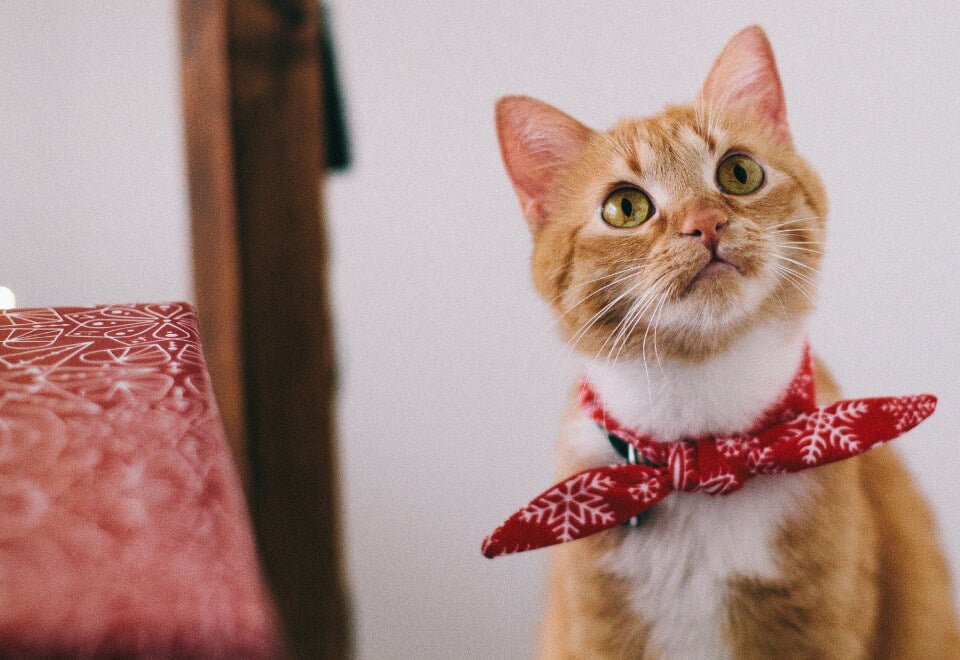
93, 200
453, 377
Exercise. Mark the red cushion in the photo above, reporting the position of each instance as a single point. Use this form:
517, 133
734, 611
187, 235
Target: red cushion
123, 528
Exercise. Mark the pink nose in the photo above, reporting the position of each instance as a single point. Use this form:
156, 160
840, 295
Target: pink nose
705, 224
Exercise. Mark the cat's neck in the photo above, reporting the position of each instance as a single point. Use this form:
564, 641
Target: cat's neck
671, 399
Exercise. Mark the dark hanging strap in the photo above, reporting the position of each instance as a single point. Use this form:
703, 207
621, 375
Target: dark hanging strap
337, 139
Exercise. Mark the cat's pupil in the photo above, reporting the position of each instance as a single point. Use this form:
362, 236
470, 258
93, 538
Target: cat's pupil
626, 207
740, 173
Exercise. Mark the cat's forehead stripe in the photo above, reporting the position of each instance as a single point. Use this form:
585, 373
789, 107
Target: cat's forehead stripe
641, 157
633, 164
701, 126
696, 140
662, 150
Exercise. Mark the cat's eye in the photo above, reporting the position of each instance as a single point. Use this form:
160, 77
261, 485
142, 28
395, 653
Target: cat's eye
738, 174
626, 207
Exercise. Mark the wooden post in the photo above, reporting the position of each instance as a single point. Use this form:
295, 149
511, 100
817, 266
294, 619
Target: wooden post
278, 148
261, 182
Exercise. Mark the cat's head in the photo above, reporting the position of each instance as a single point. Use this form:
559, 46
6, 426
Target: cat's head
677, 232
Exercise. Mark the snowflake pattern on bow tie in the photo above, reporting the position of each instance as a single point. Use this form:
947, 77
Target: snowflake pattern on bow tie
793, 435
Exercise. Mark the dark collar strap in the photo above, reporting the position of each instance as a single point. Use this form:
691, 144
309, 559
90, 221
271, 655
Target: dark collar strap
629, 454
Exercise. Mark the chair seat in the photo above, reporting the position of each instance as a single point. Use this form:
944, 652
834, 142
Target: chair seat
123, 528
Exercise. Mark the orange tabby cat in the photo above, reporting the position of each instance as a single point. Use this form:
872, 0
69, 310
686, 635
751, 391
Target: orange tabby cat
680, 253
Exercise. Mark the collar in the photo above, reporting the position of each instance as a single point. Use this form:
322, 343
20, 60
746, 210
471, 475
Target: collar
637, 447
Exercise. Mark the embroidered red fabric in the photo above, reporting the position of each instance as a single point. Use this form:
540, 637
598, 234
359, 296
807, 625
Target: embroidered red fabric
792, 435
123, 528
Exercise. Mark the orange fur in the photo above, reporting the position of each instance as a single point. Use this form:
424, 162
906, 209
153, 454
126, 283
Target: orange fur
858, 569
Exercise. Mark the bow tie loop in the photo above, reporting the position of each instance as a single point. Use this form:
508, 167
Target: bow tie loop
714, 466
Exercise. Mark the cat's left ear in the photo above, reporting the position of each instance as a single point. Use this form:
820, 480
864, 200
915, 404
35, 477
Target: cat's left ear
744, 77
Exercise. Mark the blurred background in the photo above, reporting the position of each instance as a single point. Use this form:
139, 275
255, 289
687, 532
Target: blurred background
451, 377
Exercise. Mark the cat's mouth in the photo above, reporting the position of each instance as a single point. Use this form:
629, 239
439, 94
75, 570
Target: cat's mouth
717, 267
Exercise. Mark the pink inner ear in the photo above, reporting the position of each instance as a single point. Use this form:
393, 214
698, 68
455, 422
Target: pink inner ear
744, 76
536, 141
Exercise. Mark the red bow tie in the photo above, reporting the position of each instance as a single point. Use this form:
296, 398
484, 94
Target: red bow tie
792, 435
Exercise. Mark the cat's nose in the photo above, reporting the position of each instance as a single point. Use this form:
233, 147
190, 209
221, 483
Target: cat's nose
705, 224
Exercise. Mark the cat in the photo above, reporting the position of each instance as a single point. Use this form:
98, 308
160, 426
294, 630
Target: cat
680, 254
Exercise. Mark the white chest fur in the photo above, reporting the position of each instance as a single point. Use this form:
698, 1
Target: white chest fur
681, 559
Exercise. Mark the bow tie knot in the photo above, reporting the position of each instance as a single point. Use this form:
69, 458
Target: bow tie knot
713, 466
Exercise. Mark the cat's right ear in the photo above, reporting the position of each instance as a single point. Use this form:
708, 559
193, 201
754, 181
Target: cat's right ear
537, 142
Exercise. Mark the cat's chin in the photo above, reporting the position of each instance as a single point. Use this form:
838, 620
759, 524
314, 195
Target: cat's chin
718, 293
719, 304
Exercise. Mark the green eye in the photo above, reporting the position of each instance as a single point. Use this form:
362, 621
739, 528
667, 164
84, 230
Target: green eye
626, 207
738, 174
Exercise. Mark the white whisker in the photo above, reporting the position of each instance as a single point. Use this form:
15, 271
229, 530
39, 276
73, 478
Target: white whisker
797, 246
797, 263
796, 220
625, 276
593, 319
